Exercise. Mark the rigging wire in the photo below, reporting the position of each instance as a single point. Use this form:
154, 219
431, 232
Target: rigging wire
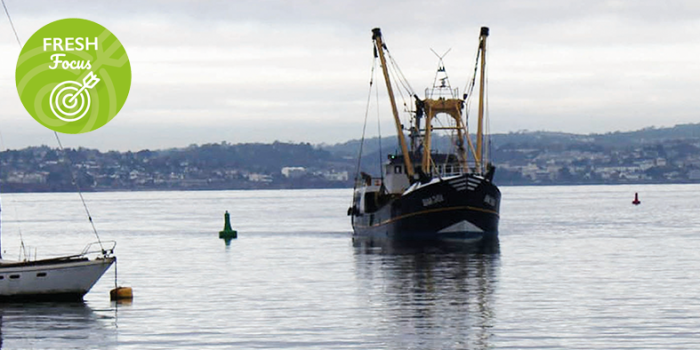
70, 168
396, 78
469, 89
487, 124
77, 185
404, 82
364, 125
397, 81
400, 79
11, 24
470, 84
379, 131
23, 248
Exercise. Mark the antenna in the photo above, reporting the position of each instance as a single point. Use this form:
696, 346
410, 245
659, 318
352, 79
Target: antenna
441, 82
441, 64
443, 55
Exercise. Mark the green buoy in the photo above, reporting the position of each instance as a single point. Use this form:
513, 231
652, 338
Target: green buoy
228, 233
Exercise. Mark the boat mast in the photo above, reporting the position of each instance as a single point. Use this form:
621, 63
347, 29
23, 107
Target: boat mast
482, 79
377, 37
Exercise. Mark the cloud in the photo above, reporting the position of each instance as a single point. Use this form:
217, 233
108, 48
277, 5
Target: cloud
279, 66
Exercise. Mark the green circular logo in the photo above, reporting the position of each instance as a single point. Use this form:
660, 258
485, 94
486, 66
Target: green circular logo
73, 76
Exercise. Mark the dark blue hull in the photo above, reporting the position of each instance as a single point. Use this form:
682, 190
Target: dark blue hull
463, 208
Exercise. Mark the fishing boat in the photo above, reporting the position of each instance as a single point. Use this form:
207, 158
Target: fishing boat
425, 193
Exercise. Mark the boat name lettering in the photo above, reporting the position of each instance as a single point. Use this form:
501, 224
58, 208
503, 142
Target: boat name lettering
432, 200
490, 200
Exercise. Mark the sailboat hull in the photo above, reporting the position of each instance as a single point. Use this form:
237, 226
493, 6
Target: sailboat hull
462, 208
52, 279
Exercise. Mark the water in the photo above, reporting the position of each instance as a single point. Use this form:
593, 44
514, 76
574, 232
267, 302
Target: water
578, 268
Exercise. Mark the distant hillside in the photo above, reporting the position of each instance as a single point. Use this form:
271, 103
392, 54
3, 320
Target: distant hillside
612, 139
651, 155
253, 157
650, 135
209, 166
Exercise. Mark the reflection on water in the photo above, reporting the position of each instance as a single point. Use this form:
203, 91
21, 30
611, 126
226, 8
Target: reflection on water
581, 269
55, 326
431, 297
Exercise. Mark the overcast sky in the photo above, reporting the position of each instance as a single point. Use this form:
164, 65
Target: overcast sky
259, 71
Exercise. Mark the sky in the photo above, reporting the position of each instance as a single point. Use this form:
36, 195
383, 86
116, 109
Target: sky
299, 70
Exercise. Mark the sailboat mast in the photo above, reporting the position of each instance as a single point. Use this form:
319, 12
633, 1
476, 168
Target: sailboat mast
377, 37
482, 79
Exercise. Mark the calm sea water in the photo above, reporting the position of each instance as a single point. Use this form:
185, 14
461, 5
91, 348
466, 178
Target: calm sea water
576, 268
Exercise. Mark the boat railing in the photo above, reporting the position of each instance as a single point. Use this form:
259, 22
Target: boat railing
449, 170
106, 248
441, 92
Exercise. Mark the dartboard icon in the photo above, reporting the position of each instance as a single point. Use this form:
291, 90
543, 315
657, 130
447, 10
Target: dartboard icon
70, 100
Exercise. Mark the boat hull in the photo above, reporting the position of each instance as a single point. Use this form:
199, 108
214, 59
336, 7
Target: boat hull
462, 208
52, 279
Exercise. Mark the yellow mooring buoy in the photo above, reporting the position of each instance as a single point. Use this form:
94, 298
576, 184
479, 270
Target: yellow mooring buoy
121, 293
228, 233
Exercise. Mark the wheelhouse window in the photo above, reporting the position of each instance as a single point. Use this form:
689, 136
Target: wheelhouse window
398, 169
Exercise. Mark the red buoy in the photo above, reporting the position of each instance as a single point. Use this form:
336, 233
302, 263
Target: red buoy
636, 200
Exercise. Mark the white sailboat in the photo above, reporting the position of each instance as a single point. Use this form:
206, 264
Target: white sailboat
63, 278
58, 279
